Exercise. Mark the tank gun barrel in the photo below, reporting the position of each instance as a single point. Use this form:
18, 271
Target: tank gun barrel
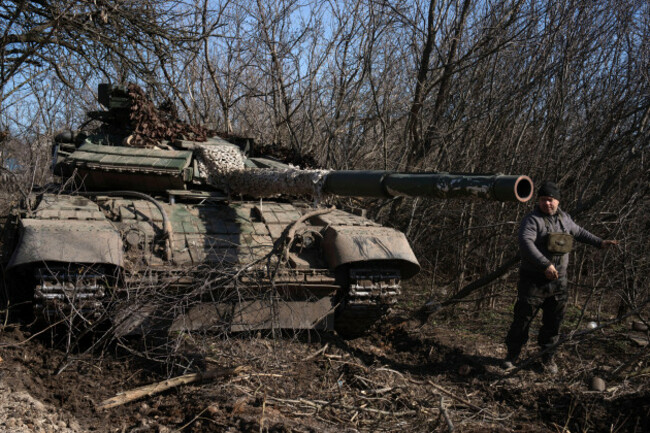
386, 184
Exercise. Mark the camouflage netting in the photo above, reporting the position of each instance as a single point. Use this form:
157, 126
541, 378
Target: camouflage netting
217, 160
260, 182
220, 165
152, 125
224, 168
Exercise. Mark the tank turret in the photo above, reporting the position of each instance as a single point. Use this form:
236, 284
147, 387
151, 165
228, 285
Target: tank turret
224, 167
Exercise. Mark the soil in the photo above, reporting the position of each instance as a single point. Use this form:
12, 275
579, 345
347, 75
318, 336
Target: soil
443, 375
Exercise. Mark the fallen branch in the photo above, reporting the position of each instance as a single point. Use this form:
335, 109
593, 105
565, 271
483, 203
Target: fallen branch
430, 308
156, 388
460, 399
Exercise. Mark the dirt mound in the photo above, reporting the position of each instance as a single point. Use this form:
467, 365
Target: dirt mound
20, 411
401, 377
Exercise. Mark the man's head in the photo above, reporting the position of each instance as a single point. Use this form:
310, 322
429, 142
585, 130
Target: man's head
548, 197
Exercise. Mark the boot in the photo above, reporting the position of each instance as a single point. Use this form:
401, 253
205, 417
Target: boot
509, 363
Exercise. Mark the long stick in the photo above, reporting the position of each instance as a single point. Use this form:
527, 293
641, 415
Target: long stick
159, 387
423, 313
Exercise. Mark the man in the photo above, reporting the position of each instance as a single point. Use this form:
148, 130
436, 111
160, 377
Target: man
545, 239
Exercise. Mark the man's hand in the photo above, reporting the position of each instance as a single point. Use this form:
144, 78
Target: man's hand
551, 273
608, 243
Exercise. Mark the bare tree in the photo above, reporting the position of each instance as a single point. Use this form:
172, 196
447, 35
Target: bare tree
551, 89
43, 35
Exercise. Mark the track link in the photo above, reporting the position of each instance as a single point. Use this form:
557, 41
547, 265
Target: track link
372, 292
69, 293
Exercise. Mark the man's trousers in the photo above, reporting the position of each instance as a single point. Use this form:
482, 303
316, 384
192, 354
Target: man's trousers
535, 292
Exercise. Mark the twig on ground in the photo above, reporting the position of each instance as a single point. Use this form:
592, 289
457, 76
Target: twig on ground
632, 361
445, 415
318, 352
460, 399
319, 404
34, 335
190, 422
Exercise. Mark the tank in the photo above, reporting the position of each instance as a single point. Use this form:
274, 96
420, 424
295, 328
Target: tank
198, 234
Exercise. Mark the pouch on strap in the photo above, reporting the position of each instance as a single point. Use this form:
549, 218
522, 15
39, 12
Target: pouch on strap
558, 243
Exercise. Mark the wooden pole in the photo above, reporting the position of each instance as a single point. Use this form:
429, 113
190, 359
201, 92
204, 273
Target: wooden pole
156, 388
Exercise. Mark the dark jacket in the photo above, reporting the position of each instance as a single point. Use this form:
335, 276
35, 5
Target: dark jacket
533, 232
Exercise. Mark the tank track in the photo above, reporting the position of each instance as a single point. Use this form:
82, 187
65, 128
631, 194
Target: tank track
78, 293
372, 292
69, 293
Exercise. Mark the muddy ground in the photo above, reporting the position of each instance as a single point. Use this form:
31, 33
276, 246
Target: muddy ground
442, 376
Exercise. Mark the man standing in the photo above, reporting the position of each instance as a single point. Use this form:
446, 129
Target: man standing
545, 238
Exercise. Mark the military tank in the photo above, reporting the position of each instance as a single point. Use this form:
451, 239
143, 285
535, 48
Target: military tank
226, 239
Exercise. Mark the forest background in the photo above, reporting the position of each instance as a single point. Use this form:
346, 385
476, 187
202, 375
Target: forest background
557, 90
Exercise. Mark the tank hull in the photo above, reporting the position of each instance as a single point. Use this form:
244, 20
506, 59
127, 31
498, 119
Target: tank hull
236, 266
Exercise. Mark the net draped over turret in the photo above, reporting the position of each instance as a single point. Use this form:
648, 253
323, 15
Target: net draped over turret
150, 201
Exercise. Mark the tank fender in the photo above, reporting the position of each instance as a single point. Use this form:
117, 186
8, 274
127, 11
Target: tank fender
72, 241
344, 245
